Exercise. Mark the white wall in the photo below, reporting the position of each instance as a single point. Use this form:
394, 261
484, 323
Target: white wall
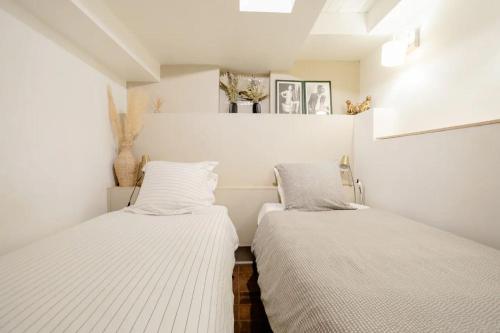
344, 76
55, 142
447, 179
185, 88
451, 80
247, 146
195, 88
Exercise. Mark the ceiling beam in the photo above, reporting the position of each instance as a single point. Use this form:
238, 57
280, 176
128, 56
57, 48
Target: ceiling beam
95, 30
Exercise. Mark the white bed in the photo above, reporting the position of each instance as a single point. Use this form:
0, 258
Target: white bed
124, 272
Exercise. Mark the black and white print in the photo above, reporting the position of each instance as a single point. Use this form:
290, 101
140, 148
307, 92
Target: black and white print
289, 97
318, 97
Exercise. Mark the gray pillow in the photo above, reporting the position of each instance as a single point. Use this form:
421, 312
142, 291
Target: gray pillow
312, 186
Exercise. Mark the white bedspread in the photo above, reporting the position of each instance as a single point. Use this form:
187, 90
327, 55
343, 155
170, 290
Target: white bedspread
372, 271
122, 272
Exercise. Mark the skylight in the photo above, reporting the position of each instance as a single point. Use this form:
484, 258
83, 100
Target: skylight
267, 6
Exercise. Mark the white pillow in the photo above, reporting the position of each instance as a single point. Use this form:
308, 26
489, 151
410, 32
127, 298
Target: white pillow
171, 188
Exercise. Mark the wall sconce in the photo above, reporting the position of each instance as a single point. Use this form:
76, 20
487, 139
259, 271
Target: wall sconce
394, 52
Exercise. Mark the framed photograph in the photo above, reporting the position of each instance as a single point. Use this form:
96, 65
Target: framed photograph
289, 96
318, 97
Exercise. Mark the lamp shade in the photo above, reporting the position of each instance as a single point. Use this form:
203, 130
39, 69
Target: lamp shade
140, 170
344, 163
394, 53
144, 160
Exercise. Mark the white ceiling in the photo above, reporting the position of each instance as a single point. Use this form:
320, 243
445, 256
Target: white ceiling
132, 37
344, 29
348, 6
216, 32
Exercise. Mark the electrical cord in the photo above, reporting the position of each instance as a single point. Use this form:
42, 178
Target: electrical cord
133, 191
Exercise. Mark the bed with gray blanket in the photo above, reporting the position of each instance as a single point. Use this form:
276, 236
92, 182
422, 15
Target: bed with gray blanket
372, 271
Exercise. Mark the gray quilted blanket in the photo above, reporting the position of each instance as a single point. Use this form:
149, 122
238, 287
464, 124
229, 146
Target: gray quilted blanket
372, 271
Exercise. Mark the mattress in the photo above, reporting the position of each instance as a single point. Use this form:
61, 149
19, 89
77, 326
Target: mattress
123, 272
372, 271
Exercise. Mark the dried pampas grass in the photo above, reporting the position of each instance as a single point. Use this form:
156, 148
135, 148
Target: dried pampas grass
127, 128
137, 104
231, 87
254, 91
114, 117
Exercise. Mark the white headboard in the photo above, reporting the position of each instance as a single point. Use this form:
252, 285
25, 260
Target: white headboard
247, 147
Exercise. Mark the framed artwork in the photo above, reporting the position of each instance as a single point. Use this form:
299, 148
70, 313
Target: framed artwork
289, 97
318, 97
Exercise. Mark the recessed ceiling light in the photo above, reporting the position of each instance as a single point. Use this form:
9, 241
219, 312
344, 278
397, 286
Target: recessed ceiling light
267, 6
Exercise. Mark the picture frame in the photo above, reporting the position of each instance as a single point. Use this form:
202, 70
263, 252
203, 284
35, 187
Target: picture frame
289, 97
318, 97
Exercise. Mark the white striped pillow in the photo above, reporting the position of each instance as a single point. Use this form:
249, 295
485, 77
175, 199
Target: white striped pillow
171, 188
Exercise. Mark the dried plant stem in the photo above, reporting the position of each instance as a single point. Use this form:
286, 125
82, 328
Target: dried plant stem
125, 129
114, 117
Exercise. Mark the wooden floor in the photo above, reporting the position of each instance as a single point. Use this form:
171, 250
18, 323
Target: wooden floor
249, 314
